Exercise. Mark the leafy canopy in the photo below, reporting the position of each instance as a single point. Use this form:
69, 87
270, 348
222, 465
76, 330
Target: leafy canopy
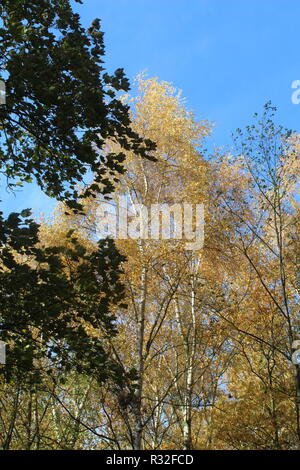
61, 105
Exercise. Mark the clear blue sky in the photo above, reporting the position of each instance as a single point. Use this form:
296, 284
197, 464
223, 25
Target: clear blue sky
228, 56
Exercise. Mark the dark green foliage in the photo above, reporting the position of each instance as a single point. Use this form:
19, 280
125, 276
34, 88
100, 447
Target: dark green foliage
61, 106
48, 298
61, 109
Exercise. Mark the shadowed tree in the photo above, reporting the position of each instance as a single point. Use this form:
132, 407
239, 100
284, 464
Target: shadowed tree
61, 105
60, 109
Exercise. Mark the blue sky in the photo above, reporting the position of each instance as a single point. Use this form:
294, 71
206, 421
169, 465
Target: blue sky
228, 56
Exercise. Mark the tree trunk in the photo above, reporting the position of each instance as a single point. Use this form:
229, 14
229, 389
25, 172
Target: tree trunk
138, 416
